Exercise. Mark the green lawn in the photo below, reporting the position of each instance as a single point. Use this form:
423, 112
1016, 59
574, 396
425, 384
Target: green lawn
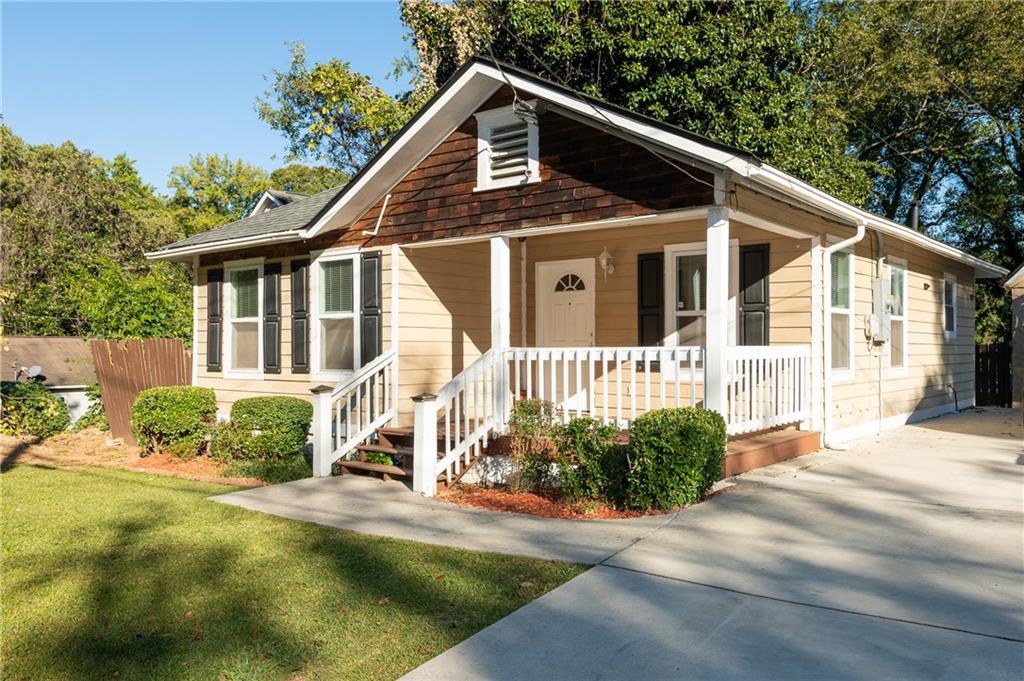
110, 574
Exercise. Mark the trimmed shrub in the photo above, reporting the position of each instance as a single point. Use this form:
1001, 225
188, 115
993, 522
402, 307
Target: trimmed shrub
279, 425
229, 442
28, 408
676, 456
174, 419
586, 460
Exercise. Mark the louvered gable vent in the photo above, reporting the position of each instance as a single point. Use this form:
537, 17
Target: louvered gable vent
507, 147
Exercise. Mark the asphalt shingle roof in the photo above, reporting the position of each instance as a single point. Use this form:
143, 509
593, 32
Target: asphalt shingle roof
286, 197
298, 214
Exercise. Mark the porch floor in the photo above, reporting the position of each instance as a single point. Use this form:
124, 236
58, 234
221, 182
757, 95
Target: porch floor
755, 450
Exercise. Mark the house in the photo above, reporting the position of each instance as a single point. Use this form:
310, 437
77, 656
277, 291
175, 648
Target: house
1015, 285
519, 239
65, 363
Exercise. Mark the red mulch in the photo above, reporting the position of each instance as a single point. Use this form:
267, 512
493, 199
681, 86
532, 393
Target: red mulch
497, 499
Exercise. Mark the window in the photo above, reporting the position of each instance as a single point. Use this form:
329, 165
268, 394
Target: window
686, 278
949, 306
507, 149
897, 314
244, 328
336, 331
570, 282
841, 311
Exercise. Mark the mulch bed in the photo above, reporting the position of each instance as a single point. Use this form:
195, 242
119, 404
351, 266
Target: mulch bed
503, 499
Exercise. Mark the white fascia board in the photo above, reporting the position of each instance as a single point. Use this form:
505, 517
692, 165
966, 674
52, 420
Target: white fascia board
262, 204
433, 126
223, 245
791, 186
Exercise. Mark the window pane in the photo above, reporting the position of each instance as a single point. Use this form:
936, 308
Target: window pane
950, 317
337, 344
896, 349
245, 293
841, 280
245, 345
841, 341
690, 288
949, 298
690, 331
336, 286
898, 280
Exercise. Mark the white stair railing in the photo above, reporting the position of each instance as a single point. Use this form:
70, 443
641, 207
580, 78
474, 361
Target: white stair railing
766, 387
452, 427
345, 416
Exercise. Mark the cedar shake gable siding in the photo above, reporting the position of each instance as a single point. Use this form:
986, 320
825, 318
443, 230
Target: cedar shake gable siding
586, 175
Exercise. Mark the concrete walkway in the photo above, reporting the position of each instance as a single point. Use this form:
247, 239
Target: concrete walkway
899, 559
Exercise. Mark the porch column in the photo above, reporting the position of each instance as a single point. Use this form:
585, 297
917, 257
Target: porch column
717, 338
501, 331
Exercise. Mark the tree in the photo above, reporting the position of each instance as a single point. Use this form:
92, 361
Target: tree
215, 190
931, 94
75, 228
303, 179
329, 113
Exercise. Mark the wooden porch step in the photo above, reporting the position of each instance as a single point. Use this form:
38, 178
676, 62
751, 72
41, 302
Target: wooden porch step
387, 470
752, 451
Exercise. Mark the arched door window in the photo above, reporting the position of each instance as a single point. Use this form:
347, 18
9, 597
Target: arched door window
570, 282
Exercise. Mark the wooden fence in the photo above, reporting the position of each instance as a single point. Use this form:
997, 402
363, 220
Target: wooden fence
992, 377
126, 368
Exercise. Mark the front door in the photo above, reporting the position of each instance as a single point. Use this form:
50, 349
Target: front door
565, 318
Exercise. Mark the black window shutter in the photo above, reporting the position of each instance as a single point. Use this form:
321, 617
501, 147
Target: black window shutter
300, 316
371, 313
214, 318
272, 318
650, 296
754, 298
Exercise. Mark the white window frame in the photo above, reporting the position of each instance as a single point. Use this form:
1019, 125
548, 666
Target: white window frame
670, 311
899, 370
229, 321
951, 279
319, 258
839, 375
486, 121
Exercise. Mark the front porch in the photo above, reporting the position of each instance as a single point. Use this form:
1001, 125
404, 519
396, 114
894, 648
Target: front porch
724, 316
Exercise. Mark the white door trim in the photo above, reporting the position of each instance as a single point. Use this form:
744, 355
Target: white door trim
585, 268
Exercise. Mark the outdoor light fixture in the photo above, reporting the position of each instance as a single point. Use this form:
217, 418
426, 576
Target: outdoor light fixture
605, 261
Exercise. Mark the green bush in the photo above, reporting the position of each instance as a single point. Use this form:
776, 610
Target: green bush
94, 415
588, 458
175, 419
229, 442
530, 445
270, 470
28, 408
279, 425
676, 455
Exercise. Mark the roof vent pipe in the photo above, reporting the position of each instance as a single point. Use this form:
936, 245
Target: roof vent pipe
914, 218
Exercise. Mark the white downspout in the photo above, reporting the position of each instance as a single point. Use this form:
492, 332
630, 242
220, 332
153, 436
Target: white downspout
826, 322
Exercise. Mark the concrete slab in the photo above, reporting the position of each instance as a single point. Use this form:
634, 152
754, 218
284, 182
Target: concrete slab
614, 624
900, 558
370, 506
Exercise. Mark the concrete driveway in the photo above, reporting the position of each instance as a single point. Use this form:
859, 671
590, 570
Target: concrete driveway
902, 558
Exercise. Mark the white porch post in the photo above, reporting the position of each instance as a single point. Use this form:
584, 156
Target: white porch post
424, 455
322, 435
501, 310
717, 339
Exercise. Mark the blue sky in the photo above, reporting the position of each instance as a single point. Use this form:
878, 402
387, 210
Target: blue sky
162, 81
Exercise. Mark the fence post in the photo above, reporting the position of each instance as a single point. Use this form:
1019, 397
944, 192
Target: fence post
424, 456
322, 436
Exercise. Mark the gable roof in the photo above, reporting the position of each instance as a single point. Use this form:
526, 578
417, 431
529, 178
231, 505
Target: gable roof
479, 78
65, 360
283, 223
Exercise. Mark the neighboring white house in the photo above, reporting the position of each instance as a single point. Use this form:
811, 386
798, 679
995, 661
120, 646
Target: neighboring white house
65, 363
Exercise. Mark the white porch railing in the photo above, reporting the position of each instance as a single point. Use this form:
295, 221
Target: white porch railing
453, 426
345, 416
766, 387
615, 385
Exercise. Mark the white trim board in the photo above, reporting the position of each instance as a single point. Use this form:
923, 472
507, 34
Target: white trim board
869, 428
